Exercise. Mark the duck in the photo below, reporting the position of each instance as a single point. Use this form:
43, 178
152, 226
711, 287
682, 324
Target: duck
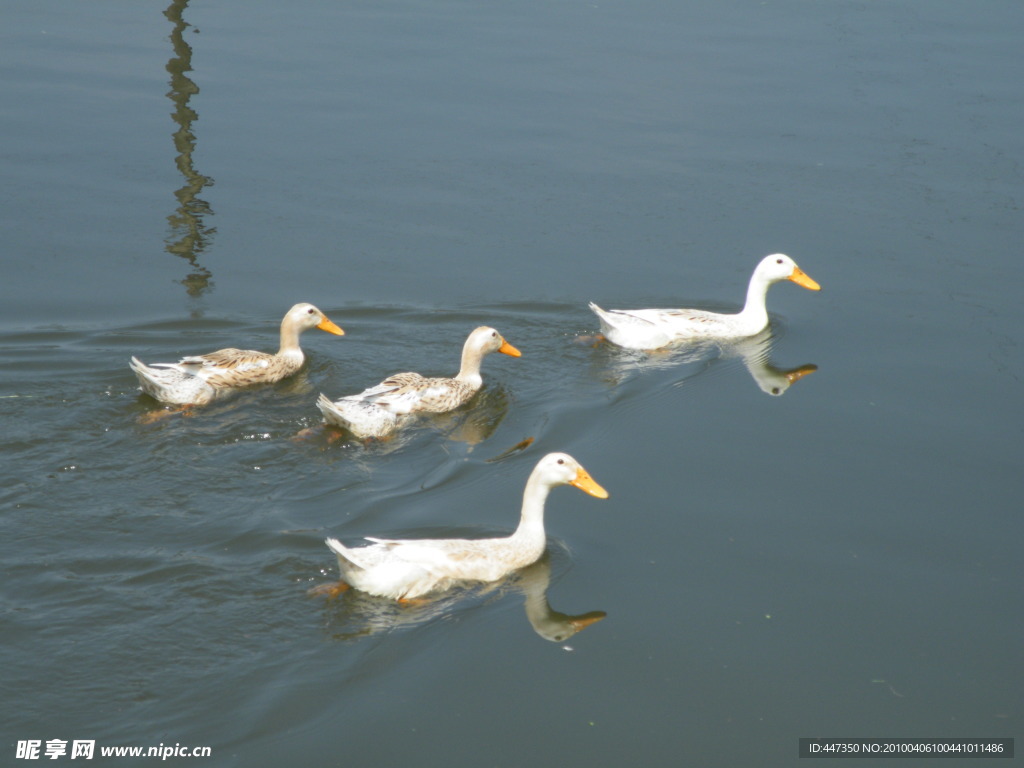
406, 569
198, 379
655, 328
379, 410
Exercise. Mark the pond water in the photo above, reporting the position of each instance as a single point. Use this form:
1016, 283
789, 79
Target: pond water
835, 554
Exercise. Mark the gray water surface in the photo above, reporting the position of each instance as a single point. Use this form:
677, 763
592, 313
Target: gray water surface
837, 557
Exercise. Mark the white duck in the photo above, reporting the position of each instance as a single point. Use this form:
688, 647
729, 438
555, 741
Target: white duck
404, 569
377, 411
198, 379
653, 328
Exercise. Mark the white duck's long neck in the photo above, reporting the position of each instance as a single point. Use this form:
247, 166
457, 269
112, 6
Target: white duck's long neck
290, 342
469, 372
531, 522
755, 313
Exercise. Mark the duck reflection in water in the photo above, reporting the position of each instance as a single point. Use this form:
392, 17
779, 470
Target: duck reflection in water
359, 615
754, 352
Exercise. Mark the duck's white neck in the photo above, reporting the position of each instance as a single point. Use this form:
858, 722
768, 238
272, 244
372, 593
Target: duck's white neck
531, 522
469, 371
290, 342
755, 314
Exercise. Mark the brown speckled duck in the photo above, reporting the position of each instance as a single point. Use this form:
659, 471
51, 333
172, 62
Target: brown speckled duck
198, 379
377, 411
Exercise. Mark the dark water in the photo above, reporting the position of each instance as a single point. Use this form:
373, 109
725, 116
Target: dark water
837, 558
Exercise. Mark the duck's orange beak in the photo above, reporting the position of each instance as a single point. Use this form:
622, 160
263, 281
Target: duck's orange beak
586, 483
584, 620
327, 325
800, 278
798, 373
508, 349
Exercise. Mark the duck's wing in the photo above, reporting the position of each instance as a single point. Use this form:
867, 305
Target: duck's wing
410, 392
468, 559
389, 386
430, 554
230, 359
635, 328
624, 319
647, 318
649, 328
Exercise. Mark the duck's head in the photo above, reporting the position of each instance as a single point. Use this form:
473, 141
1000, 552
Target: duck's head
779, 266
485, 340
563, 469
306, 316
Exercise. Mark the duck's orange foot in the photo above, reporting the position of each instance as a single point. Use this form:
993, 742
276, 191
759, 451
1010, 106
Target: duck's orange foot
151, 417
330, 591
382, 439
333, 434
308, 433
594, 340
522, 445
413, 601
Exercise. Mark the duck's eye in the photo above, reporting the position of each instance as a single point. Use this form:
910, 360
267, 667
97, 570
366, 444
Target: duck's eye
309, 311
561, 461
778, 261
494, 335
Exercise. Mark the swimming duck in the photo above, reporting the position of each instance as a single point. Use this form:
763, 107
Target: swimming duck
404, 569
653, 328
377, 411
198, 379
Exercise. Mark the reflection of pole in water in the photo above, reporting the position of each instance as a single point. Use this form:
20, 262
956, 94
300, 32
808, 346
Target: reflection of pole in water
189, 235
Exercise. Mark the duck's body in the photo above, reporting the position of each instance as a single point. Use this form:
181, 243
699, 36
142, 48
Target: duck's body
410, 568
377, 411
654, 328
198, 379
